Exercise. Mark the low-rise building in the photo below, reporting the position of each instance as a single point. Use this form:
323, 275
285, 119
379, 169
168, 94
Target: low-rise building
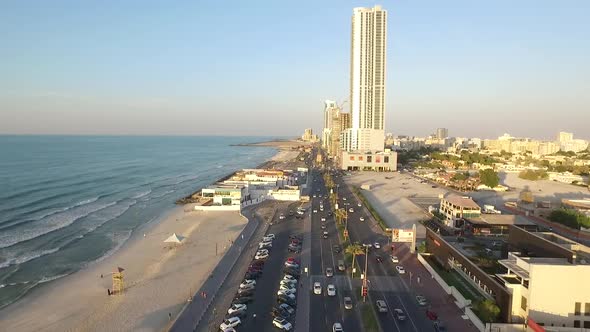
547, 276
565, 177
455, 208
496, 224
287, 193
367, 161
224, 194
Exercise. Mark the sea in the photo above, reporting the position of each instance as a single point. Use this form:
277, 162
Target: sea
68, 201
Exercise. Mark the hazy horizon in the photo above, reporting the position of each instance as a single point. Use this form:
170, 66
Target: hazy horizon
478, 69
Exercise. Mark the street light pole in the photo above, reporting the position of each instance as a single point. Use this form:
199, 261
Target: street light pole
366, 265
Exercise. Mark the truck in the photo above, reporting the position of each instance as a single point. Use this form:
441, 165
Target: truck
490, 209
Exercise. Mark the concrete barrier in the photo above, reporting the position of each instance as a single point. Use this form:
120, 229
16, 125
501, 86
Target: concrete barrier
475, 320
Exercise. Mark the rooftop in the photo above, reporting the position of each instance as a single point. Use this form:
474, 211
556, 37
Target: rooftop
577, 203
462, 201
501, 219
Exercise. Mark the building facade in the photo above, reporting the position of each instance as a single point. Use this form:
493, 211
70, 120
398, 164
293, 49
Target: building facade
385, 161
455, 207
442, 133
367, 80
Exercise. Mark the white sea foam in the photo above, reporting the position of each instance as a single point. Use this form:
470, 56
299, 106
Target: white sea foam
27, 257
54, 222
142, 194
48, 279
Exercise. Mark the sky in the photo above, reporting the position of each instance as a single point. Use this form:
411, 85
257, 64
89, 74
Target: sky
478, 68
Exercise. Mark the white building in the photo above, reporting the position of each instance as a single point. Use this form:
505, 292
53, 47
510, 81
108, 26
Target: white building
455, 207
367, 80
549, 285
564, 137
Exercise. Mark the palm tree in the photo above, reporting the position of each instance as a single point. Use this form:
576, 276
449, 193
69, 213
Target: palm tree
354, 250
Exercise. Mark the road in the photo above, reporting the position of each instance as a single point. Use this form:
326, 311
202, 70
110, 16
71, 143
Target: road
327, 310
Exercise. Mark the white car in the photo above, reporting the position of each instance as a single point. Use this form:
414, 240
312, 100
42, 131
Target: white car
359, 205
343, 198
400, 269
394, 259
331, 290
291, 264
362, 218
282, 323
229, 323
289, 278
317, 288
261, 256
262, 251
377, 245
323, 218
289, 288
289, 283
267, 239
351, 210
282, 216
270, 236
265, 244
247, 282
315, 211
286, 292
236, 308
337, 327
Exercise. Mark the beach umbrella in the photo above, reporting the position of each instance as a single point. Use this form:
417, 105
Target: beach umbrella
174, 238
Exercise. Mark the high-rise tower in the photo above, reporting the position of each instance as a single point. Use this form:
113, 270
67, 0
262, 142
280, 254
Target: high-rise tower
367, 79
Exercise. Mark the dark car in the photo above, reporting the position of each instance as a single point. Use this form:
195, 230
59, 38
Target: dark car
295, 237
336, 248
284, 299
278, 312
431, 315
252, 275
291, 213
241, 314
243, 300
439, 327
292, 271
244, 293
379, 259
257, 263
330, 214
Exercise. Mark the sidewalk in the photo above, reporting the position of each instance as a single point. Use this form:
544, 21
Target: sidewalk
193, 313
422, 283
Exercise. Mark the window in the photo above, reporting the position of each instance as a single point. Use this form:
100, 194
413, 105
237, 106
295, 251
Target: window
360, 158
576, 323
386, 159
587, 309
352, 158
369, 159
587, 324
578, 309
523, 303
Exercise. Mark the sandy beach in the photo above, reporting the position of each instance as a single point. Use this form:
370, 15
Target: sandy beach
158, 278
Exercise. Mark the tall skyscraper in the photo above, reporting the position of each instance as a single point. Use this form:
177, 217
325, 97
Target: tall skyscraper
442, 133
564, 137
367, 79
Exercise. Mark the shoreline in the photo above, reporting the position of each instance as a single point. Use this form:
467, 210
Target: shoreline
27, 313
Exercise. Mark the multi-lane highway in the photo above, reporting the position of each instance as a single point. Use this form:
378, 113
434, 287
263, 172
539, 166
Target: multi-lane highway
326, 310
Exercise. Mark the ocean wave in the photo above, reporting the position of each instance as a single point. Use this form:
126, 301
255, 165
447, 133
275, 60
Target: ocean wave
45, 279
142, 194
163, 194
52, 223
29, 256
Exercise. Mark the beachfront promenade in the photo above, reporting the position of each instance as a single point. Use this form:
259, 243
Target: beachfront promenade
194, 311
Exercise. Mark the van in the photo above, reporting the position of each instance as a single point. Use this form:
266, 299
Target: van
341, 266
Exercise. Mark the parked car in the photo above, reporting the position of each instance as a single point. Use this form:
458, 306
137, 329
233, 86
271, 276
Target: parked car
377, 245
350, 210
292, 271
246, 291
230, 322
247, 282
248, 287
237, 307
289, 277
282, 323
261, 256
286, 299
394, 259
337, 327
400, 269
292, 265
317, 288
243, 300
287, 308
336, 248
286, 292
431, 315
276, 312
381, 306
289, 288
347, 303
341, 266
439, 327
399, 314
421, 300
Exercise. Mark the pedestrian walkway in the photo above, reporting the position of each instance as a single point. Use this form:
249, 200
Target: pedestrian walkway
419, 281
194, 311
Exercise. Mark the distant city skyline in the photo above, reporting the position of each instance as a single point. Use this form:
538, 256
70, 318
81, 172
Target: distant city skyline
478, 69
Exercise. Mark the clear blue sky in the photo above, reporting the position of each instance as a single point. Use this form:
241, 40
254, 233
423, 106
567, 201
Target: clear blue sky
479, 68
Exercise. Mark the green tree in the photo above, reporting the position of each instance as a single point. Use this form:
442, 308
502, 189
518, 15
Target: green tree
570, 218
354, 249
460, 177
533, 175
489, 177
488, 311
